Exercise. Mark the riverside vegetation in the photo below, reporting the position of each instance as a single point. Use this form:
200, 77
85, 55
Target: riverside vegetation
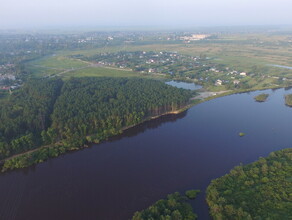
66, 115
46, 118
261, 190
288, 100
261, 97
175, 206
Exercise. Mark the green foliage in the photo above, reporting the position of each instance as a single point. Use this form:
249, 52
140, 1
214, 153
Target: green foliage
288, 100
260, 190
103, 106
3, 94
261, 97
241, 134
37, 156
192, 194
101, 72
25, 114
174, 207
68, 115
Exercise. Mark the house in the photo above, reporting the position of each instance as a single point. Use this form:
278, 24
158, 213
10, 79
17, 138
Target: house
236, 82
5, 88
151, 71
242, 74
194, 37
218, 82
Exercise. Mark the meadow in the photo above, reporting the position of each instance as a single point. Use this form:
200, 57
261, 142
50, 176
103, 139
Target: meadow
251, 53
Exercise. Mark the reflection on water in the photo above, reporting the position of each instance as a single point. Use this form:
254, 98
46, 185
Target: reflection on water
184, 85
152, 124
281, 66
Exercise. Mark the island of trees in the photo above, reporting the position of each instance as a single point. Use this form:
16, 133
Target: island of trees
174, 207
261, 97
288, 100
261, 190
48, 117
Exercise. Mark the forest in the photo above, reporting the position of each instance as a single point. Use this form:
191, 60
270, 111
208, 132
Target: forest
174, 207
58, 116
25, 113
261, 190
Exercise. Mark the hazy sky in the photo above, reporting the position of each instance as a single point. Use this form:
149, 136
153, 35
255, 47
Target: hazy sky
42, 13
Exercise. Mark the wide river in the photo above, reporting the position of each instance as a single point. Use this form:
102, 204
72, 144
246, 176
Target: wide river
174, 153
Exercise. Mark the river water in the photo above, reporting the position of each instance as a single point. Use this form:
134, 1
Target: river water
184, 85
281, 66
173, 153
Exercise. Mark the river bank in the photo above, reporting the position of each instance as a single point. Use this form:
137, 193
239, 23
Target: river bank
131, 171
23, 160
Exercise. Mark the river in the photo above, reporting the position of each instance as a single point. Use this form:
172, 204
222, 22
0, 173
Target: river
131, 171
184, 85
281, 66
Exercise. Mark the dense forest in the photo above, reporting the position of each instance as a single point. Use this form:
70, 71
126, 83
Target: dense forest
66, 115
174, 207
25, 113
261, 190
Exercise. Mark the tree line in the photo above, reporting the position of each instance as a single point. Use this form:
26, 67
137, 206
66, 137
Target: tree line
174, 207
261, 190
25, 113
66, 115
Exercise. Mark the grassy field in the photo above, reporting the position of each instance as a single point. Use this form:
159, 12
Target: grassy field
52, 65
101, 71
59, 62
61, 65
247, 49
242, 52
66, 67
39, 71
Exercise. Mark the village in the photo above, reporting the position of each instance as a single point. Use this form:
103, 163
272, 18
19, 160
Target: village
199, 69
8, 79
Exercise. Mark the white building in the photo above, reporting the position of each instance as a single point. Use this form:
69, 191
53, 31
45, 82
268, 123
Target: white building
218, 82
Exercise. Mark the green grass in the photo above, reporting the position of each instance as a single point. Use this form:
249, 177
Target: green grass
247, 57
252, 53
51, 65
101, 71
38, 71
59, 62
67, 67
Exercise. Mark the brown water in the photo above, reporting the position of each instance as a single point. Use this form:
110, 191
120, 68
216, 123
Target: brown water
174, 153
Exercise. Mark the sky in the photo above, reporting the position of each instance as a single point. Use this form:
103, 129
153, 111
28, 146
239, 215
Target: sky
119, 13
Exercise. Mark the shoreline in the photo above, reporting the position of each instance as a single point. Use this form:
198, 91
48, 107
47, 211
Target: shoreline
28, 153
193, 102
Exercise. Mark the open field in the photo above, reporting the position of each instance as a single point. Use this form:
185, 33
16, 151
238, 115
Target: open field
60, 65
246, 48
52, 65
58, 62
251, 53
101, 71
